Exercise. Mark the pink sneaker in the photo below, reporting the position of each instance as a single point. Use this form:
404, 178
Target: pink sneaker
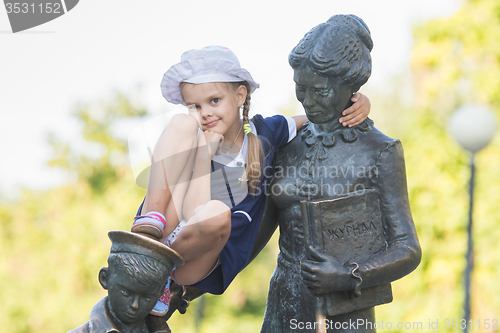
151, 224
161, 307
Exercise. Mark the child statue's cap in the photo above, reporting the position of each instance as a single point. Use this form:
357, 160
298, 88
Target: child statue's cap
209, 64
128, 242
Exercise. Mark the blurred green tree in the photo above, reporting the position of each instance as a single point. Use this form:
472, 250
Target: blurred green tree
101, 159
53, 242
454, 61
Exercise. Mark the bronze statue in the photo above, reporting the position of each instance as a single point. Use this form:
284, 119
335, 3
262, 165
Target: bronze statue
338, 195
136, 277
353, 233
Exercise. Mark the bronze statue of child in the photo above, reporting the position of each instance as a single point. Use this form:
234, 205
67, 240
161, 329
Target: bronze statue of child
138, 270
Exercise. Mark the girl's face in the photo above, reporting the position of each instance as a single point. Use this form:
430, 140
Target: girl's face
217, 105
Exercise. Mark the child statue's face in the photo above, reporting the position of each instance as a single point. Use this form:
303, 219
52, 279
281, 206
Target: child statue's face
129, 300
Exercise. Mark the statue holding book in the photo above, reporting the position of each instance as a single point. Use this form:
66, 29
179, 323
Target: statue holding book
338, 194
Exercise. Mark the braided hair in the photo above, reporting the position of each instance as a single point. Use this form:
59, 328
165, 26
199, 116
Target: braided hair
255, 151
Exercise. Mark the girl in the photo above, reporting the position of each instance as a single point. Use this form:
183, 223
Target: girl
206, 195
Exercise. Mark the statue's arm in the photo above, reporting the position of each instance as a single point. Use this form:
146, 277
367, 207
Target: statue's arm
180, 298
81, 329
403, 252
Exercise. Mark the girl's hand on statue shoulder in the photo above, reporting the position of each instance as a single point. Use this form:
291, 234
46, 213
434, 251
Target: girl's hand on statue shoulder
356, 113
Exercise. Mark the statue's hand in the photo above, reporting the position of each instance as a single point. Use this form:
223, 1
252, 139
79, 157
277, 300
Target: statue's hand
178, 300
322, 274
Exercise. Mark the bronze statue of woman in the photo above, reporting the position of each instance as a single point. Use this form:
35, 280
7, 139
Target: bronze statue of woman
360, 234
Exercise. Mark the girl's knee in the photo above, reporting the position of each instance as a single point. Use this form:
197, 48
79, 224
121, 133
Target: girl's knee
185, 123
180, 134
218, 207
219, 210
215, 215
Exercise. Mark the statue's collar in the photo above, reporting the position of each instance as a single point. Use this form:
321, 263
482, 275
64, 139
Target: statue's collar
317, 141
349, 134
100, 318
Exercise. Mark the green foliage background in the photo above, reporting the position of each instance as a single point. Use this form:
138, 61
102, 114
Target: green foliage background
53, 243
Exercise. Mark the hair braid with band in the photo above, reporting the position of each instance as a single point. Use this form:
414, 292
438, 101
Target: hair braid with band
255, 151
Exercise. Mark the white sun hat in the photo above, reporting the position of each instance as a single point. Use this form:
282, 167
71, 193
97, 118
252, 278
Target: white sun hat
209, 64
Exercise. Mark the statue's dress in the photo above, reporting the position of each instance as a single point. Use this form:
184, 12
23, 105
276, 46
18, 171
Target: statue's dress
318, 166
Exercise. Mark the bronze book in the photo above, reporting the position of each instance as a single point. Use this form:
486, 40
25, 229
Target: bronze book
350, 229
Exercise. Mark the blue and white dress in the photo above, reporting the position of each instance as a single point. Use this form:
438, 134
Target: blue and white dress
246, 209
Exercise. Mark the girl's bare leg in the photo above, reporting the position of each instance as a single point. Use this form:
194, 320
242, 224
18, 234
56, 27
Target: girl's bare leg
201, 241
173, 160
207, 231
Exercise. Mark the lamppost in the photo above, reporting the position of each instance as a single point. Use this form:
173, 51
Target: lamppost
473, 126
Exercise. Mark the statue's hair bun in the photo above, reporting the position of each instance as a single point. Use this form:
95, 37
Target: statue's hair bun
356, 24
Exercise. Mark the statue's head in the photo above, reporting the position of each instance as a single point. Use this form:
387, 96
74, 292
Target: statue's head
137, 272
331, 63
